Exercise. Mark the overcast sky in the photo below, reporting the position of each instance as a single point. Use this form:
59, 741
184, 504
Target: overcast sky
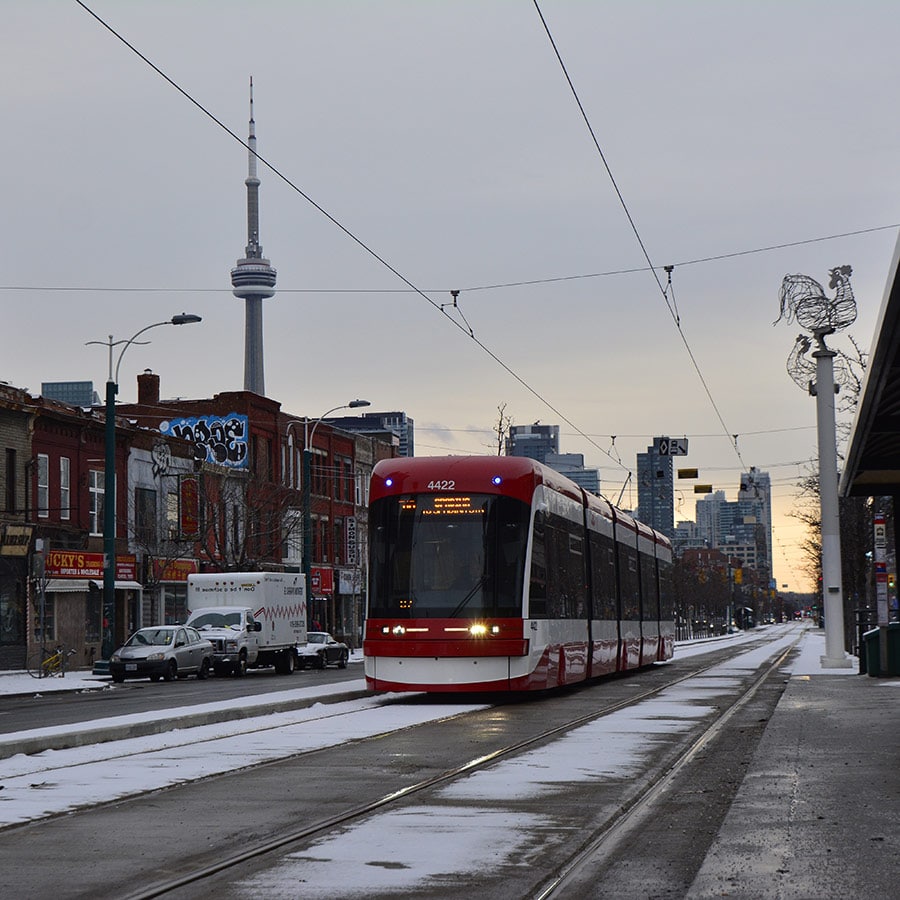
445, 138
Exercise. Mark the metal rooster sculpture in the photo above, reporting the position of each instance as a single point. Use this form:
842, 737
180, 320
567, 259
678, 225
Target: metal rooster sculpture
803, 299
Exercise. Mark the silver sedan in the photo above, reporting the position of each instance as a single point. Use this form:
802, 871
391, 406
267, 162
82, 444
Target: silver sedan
163, 651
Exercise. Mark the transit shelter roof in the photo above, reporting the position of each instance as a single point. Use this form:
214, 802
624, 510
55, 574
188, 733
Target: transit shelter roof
872, 465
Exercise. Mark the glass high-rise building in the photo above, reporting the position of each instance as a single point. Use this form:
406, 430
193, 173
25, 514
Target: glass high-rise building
534, 441
656, 496
75, 393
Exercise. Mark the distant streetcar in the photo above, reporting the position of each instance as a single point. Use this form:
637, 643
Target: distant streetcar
496, 573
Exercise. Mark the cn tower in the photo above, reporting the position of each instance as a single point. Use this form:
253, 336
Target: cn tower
253, 279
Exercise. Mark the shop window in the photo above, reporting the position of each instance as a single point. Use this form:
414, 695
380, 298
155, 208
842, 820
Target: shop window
175, 598
93, 612
46, 613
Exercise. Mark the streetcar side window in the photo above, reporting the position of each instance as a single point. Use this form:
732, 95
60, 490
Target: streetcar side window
537, 597
628, 582
603, 577
557, 568
666, 597
649, 589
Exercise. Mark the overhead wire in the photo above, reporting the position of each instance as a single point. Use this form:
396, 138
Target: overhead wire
357, 240
667, 291
500, 285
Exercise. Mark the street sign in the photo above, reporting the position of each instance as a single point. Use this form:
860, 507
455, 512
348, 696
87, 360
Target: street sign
666, 446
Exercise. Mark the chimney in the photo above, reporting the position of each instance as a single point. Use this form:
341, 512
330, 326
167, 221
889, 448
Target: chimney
148, 389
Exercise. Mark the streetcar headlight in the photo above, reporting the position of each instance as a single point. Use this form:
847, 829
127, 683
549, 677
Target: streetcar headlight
399, 629
497, 480
478, 630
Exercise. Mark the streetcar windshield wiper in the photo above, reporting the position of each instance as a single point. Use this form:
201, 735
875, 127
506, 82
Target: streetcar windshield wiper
462, 603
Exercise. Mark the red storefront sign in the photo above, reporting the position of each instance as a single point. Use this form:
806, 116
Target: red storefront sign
174, 569
77, 564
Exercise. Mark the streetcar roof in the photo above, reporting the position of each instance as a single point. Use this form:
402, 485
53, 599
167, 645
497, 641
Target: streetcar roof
515, 476
512, 476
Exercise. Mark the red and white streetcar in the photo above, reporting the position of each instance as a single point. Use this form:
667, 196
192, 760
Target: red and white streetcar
496, 573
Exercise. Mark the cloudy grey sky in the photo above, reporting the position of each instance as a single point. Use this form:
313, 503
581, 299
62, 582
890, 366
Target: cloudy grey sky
444, 136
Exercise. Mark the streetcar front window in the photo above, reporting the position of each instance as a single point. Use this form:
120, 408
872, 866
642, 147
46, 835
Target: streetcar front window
447, 556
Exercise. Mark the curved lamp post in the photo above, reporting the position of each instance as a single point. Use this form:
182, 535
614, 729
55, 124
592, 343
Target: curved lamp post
307, 497
109, 480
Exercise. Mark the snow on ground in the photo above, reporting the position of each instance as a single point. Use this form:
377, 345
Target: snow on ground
379, 853
81, 680
408, 851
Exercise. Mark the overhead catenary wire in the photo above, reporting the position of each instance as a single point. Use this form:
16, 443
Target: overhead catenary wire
495, 286
667, 294
357, 240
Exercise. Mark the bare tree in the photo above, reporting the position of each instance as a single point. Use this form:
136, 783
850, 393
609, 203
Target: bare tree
501, 429
246, 521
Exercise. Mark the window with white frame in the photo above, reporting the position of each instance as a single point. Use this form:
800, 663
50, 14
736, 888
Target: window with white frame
96, 494
293, 536
43, 485
65, 495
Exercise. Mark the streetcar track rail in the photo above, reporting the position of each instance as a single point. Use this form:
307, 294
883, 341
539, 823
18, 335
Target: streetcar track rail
607, 833
617, 829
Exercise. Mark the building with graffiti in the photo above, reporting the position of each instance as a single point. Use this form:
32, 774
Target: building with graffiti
248, 458
201, 486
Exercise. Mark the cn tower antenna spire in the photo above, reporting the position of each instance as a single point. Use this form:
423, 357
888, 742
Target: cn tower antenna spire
253, 278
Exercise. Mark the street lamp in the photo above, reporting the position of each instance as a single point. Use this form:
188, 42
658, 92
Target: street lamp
307, 497
109, 479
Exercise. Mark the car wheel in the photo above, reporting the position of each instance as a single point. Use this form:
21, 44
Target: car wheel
171, 671
290, 662
203, 672
322, 660
240, 667
342, 662
154, 677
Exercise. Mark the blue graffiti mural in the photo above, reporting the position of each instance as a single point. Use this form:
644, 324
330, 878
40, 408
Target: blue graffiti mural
217, 439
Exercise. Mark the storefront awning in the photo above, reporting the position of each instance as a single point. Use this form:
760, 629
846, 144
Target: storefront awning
75, 585
67, 585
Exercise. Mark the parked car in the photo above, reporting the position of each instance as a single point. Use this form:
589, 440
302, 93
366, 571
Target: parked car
163, 651
322, 649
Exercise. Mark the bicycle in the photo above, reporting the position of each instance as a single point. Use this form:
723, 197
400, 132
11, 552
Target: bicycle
49, 664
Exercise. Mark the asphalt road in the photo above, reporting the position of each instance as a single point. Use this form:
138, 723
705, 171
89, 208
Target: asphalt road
21, 713
118, 848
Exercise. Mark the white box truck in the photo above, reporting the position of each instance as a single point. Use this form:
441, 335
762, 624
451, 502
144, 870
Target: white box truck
253, 619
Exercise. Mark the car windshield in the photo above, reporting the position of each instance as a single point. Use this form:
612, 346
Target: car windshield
217, 620
317, 637
151, 636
